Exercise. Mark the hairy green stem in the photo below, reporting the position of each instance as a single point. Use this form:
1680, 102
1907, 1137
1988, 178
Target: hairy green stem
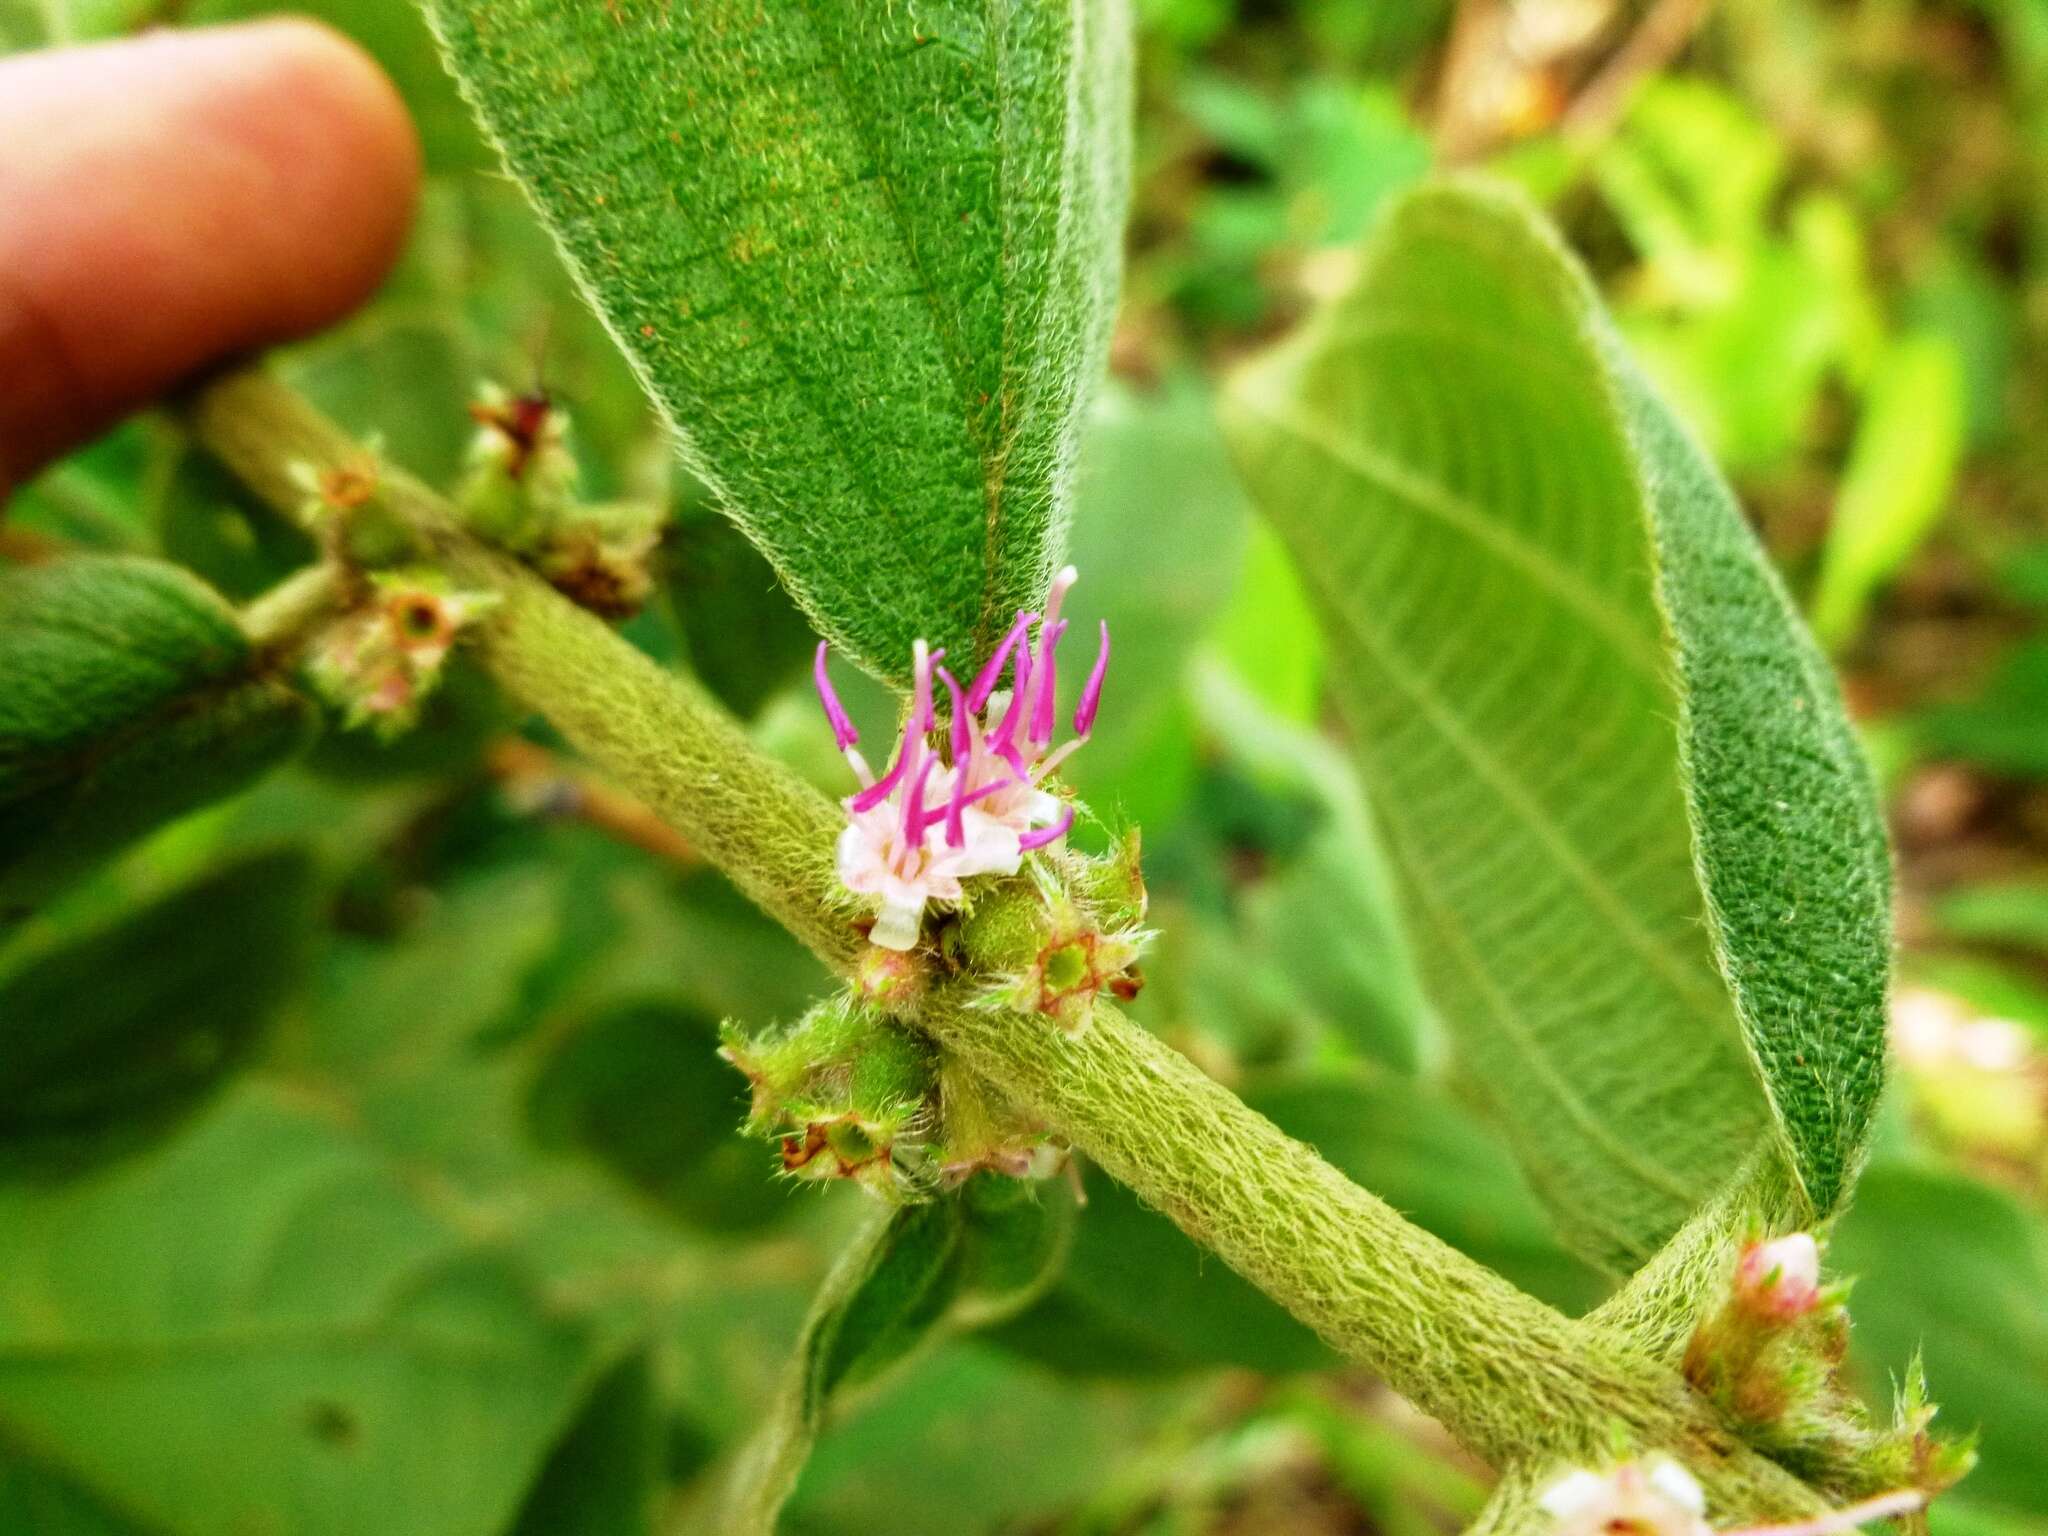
1510, 1377
1658, 1309
656, 731
275, 620
1516, 1381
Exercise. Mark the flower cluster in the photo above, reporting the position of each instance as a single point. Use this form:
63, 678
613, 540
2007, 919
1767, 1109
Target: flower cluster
1638, 1498
939, 817
848, 1093
1658, 1497
380, 661
521, 494
1779, 1280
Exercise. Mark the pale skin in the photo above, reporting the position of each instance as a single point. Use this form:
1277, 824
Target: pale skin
175, 200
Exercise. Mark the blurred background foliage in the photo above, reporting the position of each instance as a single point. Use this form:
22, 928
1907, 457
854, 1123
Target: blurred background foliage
364, 1160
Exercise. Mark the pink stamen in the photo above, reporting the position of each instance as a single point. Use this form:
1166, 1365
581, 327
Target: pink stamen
1058, 595
923, 661
882, 788
956, 830
1002, 740
1091, 691
962, 743
915, 819
843, 733
986, 679
1045, 678
956, 803
961, 798
1053, 833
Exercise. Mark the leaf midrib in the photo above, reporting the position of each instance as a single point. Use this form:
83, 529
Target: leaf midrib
1454, 512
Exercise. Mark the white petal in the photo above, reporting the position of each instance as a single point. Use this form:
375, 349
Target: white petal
1574, 1494
898, 926
861, 867
1678, 1485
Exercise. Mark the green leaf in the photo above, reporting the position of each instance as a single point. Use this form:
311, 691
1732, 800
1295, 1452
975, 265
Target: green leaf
863, 259
1325, 918
602, 1478
971, 1439
264, 1328
1268, 634
1155, 496
884, 1297
1138, 1298
117, 1035
2004, 727
640, 1087
966, 1260
1901, 468
1955, 1268
1609, 765
128, 696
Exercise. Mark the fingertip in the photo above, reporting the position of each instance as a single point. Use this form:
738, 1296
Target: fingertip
322, 103
172, 200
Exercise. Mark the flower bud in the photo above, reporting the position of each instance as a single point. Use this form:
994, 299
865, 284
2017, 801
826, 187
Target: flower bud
345, 504
892, 979
378, 662
1779, 1280
521, 472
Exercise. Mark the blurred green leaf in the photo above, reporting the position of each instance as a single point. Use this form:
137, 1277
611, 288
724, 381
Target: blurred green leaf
972, 1439
864, 261
602, 1478
1268, 634
641, 1088
741, 633
206, 521
883, 1298
1158, 533
115, 1036
38, 1502
1323, 923
94, 499
1479, 540
2011, 912
1901, 469
1955, 295
2004, 726
1739, 322
201, 1360
1136, 1298
1956, 1268
128, 696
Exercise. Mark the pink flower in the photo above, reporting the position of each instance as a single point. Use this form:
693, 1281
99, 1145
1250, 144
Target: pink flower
1780, 1280
1638, 1498
939, 817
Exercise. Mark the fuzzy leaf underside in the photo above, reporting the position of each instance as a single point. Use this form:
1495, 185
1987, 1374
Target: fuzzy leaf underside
112, 1039
128, 696
1608, 763
864, 257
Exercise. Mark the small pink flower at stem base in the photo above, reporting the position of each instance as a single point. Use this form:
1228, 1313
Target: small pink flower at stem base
1656, 1497
978, 805
1779, 1280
